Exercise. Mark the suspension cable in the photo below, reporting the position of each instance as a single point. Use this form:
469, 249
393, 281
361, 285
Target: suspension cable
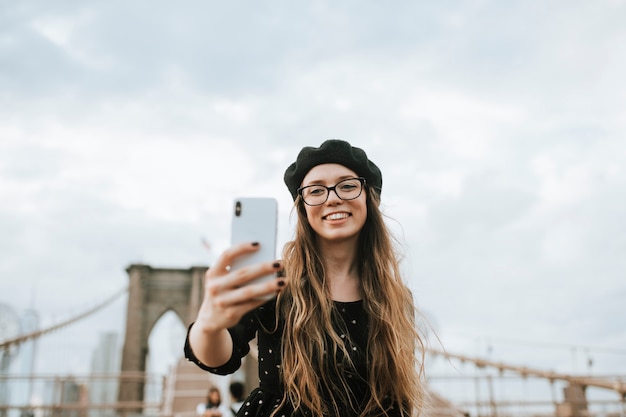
5, 344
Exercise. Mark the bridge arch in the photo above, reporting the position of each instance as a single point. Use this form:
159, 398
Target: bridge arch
152, 292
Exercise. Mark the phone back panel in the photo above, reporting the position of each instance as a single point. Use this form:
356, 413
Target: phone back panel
255, 220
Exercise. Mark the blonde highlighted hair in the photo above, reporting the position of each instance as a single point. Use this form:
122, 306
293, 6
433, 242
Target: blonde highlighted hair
394, 346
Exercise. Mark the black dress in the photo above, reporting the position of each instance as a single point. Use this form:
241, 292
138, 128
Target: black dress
351, 326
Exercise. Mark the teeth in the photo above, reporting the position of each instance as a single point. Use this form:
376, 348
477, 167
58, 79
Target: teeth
337, 216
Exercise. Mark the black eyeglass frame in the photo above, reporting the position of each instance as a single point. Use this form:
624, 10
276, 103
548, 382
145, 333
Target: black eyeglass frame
329, 189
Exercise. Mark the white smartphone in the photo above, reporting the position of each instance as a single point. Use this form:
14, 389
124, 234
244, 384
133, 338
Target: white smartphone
255, 220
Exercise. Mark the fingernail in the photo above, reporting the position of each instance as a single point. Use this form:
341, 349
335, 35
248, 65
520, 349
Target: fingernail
276, 264
255, 243
281, 283
280, 273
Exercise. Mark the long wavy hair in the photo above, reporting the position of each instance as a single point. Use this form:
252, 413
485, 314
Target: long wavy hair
395, 350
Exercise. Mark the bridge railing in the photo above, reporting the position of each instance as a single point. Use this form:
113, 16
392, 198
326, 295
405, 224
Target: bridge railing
491, 393
478, 395
493, 388
93, 395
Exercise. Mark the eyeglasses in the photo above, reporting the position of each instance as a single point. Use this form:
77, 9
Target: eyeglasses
348, 189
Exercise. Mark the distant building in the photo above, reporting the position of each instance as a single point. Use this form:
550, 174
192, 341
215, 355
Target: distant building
9, 328
25, 362
105, 365
68, 391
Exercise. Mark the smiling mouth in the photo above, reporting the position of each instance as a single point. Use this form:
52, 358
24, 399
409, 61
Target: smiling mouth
336, 216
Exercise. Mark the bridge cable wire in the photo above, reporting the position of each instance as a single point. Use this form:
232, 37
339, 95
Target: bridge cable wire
6, 344
617, 385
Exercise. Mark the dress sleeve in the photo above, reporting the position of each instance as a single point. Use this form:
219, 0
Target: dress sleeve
241, 334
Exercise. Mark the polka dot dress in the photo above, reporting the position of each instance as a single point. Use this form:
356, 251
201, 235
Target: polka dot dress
265, 399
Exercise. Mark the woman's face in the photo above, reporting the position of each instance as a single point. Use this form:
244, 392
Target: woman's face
214, 396
336, 219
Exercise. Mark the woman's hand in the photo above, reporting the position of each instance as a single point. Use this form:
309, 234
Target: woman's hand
227, 297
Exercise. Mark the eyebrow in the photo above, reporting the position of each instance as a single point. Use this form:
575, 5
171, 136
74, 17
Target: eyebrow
337, 179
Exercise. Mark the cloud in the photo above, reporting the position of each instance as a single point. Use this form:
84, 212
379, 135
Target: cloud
128, 129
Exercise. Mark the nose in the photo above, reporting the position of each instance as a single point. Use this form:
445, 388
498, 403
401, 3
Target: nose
333, 197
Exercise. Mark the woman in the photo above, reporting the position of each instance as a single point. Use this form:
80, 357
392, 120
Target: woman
213, 406
340, 339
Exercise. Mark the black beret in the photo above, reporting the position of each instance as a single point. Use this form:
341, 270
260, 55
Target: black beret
332, 151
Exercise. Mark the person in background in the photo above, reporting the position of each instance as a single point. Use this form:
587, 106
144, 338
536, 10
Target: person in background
237, 396
213, 406
340, 338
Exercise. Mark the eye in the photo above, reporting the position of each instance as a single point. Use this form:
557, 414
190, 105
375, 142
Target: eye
315, 190
347, 187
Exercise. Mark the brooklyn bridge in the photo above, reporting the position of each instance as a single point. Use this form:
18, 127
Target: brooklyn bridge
472, 386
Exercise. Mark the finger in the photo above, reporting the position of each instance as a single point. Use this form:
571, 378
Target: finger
246, 274
223, 262
243, 308
251, 294
240, 277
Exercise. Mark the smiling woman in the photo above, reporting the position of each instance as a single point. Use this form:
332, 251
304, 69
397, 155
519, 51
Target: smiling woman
337, 212
340, 337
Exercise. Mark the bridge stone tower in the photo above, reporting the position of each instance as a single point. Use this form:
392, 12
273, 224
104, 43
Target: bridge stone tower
153, 292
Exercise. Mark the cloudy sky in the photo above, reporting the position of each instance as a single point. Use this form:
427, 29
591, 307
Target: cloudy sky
127, 128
